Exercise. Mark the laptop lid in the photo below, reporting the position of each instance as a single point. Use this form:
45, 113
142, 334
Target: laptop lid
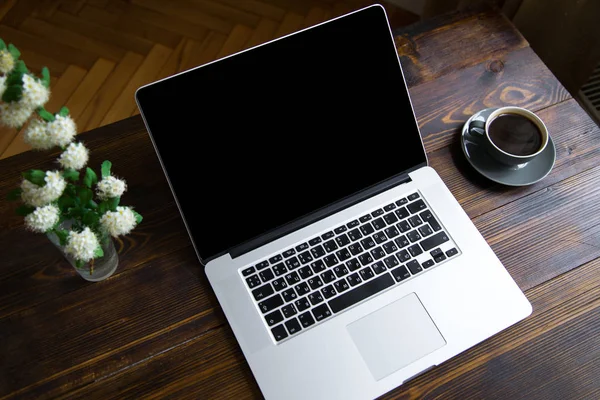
273, 138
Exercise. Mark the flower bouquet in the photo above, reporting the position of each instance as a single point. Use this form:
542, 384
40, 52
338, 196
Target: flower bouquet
79, 211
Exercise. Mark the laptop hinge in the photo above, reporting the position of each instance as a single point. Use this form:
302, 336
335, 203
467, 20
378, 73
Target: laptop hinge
321, 213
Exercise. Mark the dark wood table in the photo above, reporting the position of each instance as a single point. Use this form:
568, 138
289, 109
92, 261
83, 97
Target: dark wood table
155, 329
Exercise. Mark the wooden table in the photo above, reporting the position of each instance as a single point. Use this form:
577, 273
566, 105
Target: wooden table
155, 329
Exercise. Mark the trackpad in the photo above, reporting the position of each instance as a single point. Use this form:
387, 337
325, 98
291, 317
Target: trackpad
395, 336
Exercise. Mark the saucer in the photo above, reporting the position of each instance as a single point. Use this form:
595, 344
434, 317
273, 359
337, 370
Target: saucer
511, 175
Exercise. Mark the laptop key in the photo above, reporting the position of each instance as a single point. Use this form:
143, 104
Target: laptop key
275, 259
292, 263
302, 288
270, 304
274, 317
367, 243
403, 226
413, 236
391, 232
262, 292
400, 273
435, 252
327, 235
314, 241
248, 271
352, 224
305, 272
355, 249
292, 278
289, 295
414, 267
289, 253
354, 235
401, 201
318, 266
377, 212
378, 224
302, 304
266, 275
439, 258
315, 298
301, 247
365, 218
330, 246
315, 282
379, 237
353, 264
279, 333
343, 254
279, 269
367, 229
306, 319
390, 218
452, 252
253, 281
354, 279
402, 213
305, 257
428, 217
293, 326
341, 285
288, 310
366, 273
427, 264
379, 267
390, 247
342, 240
360, 293
279, 284
417, 206
340, 270
328, 291
403, 255
321, 312
390, 262
415, 221
434, 241
389, 207
317, 251
340, 229
262, 265
425, 230
402, 241
330, 260
377, 253
328, 276
365, 259
415, 250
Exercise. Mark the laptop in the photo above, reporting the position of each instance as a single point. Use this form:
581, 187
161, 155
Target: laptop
343, 264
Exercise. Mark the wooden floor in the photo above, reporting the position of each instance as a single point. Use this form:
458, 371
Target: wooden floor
100, 51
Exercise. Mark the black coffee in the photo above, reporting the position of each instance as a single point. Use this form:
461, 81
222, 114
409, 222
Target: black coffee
515, 134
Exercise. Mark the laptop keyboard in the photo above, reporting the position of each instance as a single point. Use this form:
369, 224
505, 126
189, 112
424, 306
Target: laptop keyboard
320, 278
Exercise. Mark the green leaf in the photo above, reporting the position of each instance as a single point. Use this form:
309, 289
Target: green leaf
46, 115
84, 195
103, 207
113, 203
16, 75
64, 111
25, 210
46, 77
138, 216
71, 175
14, 194
79, 263
98, 252
106, 165
90, 177
64, 202
62, 236
76, 211
90, 218
12, 93
35, 176
14, 51
2, 45
92, 204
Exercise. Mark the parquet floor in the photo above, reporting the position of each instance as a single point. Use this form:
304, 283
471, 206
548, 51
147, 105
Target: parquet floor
100, 51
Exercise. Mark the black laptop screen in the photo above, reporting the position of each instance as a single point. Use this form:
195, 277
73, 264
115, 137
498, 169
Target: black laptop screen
257, 140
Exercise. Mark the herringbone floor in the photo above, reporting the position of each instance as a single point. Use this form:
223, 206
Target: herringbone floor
100, 51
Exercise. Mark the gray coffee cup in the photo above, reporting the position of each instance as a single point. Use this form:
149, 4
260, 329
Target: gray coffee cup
482, 128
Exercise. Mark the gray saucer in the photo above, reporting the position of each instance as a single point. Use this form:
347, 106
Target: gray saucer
511, 175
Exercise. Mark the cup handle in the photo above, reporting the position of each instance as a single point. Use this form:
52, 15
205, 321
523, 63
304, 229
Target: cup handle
478, 127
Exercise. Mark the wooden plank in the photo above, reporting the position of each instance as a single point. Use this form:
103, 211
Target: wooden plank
16, 13
92, 82
43, 29
124, 105
36, 61
456, 40
258, 7
516, 79
292, 22
48, 47
191, 53
72, 6
264, 32
210, 48
129, 25
315, 15
5, 7
233, 14
46, 8
105, 96
63, 89
157, 19
185, 10
236, 40
128, 42
97, 3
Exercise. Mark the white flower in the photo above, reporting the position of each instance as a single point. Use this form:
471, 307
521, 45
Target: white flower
75, 156
14, 114
43, 218
119, 222
7, 62
37, 136
38, 196
62, 130
82, 245
2, 85
35, 94
111, 187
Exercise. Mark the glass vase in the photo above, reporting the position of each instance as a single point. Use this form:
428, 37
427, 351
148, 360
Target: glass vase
97, 269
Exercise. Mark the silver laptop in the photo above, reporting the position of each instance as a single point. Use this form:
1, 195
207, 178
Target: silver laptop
341, 260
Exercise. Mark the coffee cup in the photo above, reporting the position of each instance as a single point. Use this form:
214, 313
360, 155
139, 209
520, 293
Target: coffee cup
512, 135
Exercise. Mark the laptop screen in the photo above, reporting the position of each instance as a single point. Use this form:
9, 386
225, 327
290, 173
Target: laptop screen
257, 140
